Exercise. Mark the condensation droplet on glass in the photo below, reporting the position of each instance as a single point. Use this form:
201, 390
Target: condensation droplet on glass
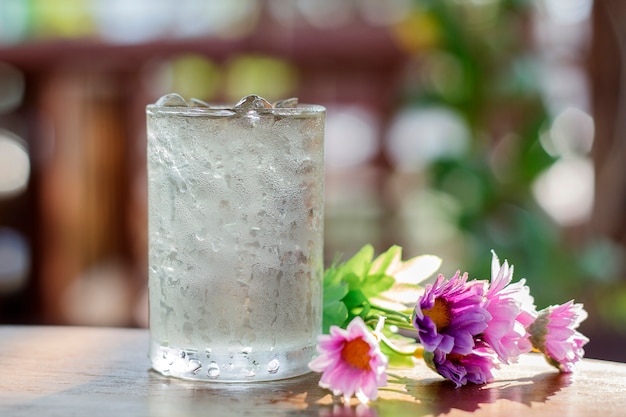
167, 357
272, 366
251, 373
213, 370
216, 245
202, 234
194, 366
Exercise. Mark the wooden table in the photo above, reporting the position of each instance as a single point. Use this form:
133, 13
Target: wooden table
91, 372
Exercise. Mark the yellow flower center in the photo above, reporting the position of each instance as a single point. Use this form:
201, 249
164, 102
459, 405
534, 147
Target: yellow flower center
439, 314
356, 353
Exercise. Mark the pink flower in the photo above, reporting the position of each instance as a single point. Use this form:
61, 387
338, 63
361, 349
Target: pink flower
475, 367
554, 334
512, 309
351, 362
450, 314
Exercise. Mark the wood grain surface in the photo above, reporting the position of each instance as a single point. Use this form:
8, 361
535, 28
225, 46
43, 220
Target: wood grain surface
92, 372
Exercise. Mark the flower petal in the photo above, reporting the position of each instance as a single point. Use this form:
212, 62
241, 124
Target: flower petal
343, 369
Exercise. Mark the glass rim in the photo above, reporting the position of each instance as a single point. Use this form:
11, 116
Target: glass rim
217, 110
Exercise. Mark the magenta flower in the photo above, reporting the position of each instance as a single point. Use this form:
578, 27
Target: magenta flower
450, 313
351, 362
475, 367
554, 334
512, 309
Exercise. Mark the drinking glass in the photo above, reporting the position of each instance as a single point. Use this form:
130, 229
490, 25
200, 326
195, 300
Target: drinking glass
236, 206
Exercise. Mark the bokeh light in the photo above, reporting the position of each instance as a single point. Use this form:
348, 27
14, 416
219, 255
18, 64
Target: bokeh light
384, 12
14, 21
326, 13
269, 77
14, 165
351, 136
190, 75
566, 190
568, 12
15, 260
225, 19
419, 136
571, 133
61, 18
136, 21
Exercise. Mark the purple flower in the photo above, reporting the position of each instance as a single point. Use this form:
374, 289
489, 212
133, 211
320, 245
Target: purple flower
450, 313
554, 334
475, 367
512, 309
351, 362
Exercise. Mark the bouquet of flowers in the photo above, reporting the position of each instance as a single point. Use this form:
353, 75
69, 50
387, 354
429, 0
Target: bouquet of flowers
376, 313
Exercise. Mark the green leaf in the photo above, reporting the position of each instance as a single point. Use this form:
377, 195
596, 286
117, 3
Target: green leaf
334, 290
373, 285
353, 280
360, 263
384, 260
363, 310
358, 271
332, 277
354, 298
335, 314
349, 286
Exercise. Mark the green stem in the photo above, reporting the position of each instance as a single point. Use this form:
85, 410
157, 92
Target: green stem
402, 324
390, 321
391, 313
397, 350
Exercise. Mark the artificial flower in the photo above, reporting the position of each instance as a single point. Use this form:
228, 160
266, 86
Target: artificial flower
554, 334
475, 367
450, 314
466, 328
351, 362
512, 309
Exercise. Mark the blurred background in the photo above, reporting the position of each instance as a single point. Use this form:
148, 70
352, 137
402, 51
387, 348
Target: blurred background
454, 127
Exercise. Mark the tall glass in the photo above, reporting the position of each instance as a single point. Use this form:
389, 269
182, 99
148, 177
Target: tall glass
235, 237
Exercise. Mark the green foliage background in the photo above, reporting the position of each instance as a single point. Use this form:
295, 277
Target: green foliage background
490, 77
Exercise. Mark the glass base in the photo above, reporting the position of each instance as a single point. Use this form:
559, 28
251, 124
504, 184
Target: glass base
243, 366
